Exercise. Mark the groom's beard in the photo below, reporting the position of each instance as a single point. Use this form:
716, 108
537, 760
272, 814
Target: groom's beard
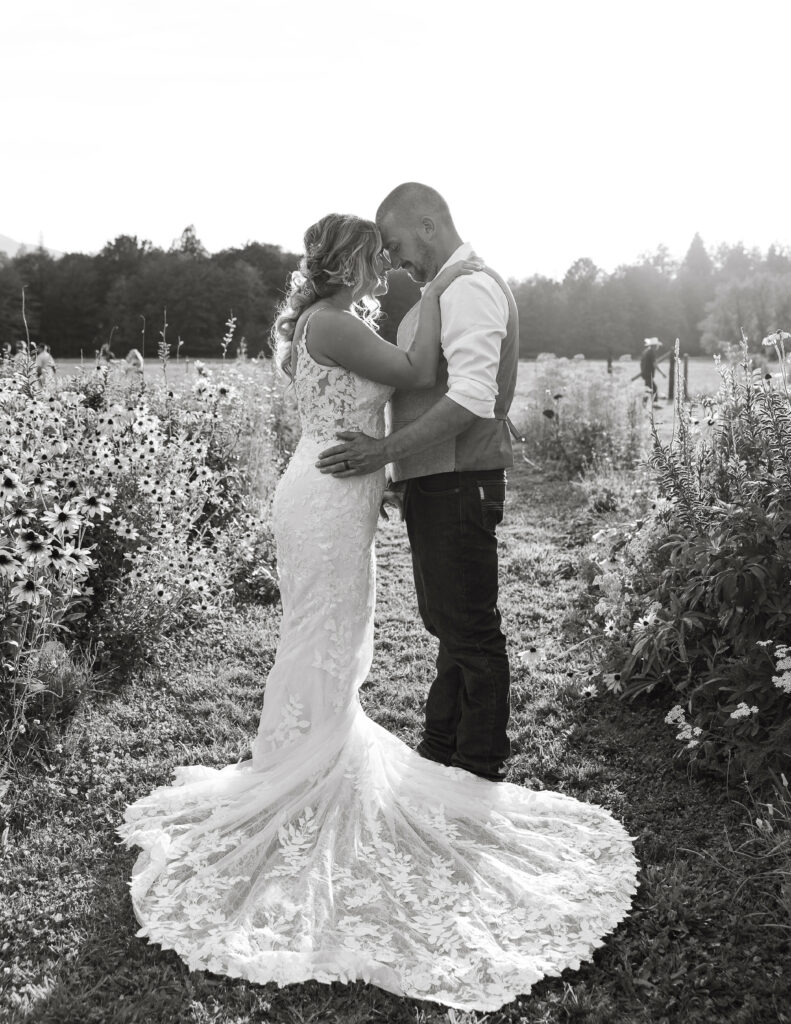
425, 267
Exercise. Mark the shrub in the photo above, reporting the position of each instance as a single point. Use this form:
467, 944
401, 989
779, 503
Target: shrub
125, 521
697, 598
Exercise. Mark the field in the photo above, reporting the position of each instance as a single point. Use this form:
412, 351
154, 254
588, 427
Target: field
709, 934
703, 376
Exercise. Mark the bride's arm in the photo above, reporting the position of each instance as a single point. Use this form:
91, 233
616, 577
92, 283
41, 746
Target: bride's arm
340, 337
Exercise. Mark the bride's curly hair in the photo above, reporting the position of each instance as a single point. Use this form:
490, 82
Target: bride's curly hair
340, 250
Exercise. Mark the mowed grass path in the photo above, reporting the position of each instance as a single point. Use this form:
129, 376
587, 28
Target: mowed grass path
700, 947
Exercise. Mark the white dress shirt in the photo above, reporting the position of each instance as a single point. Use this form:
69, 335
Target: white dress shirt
474, 322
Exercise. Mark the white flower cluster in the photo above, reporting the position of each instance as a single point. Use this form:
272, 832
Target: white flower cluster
686, 732
743, 711
783, 667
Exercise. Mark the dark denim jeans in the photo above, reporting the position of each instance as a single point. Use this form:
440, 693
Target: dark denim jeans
451, 519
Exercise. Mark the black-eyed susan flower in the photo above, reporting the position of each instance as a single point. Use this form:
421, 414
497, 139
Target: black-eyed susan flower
28, 592
20, 516
33, 547
82, 559
62, 519
10, 485
91, 504
9, 564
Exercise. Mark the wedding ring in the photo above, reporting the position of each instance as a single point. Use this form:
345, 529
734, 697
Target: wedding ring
346, 465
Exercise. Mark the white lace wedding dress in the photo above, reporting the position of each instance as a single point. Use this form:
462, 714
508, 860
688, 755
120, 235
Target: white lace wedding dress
337, 852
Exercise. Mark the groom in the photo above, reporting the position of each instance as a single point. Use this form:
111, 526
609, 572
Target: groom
451, 445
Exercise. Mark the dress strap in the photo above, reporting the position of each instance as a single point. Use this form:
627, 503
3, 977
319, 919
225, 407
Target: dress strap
304, 335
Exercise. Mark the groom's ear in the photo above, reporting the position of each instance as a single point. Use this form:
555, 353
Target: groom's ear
428, 227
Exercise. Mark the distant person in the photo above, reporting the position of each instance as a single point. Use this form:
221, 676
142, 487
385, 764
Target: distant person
45, 364
106, 354
648, 365
8, 350
133, 363
22, 356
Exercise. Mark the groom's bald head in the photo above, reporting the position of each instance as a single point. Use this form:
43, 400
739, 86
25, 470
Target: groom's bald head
417, 230
411, 202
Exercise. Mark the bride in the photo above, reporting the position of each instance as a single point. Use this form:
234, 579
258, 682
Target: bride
337, 853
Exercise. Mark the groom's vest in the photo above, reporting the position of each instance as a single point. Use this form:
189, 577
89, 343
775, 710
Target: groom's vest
486, 443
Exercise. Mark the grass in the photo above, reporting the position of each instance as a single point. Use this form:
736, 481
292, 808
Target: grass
703, 944
703, 377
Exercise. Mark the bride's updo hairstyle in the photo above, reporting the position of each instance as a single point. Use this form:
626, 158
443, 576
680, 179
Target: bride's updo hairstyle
340, 251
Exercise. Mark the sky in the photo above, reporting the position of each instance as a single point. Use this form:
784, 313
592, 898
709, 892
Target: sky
555, 129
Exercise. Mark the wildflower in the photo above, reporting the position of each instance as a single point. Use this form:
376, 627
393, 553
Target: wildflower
10, 487
742, 711
610, 628
91, 504
778, 338
783, 667
62, 519
613, 681
20, 516
528, 657
61, 556
8, 564
28, 592
764, 643
33, 546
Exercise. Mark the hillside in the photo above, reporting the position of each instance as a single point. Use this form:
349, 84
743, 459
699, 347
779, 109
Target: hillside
11, 247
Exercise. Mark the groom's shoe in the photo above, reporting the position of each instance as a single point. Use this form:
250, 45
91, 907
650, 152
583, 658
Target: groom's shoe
490, 772
429, 756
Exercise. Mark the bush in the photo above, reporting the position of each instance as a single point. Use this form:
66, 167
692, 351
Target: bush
125, 522
697, 596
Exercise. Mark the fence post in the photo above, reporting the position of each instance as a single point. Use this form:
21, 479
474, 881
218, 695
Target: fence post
686, 378
671, 379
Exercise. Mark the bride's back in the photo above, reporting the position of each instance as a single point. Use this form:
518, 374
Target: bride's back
332, 398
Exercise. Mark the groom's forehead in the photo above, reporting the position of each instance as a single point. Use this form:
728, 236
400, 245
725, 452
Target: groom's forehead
391, 228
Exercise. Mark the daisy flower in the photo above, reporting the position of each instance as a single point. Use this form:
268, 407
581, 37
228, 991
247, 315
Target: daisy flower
62, 519
91, 504
33, 546
9, 564
20, 516
60, 556
10, 486
82, 559
28, 592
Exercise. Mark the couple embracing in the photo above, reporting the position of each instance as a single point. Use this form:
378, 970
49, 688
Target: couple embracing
336, 852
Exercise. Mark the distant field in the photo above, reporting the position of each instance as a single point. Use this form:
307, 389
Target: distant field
703, 376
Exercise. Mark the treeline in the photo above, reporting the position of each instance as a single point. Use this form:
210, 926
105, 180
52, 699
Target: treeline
703, 301
77, 303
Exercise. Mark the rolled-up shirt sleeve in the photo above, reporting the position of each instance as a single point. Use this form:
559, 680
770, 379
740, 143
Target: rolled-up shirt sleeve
474, 322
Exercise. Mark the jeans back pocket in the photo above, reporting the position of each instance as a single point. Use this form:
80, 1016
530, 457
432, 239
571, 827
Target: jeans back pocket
492, 495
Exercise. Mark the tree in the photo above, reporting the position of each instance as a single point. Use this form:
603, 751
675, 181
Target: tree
696, 290
189, 244
760, 304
